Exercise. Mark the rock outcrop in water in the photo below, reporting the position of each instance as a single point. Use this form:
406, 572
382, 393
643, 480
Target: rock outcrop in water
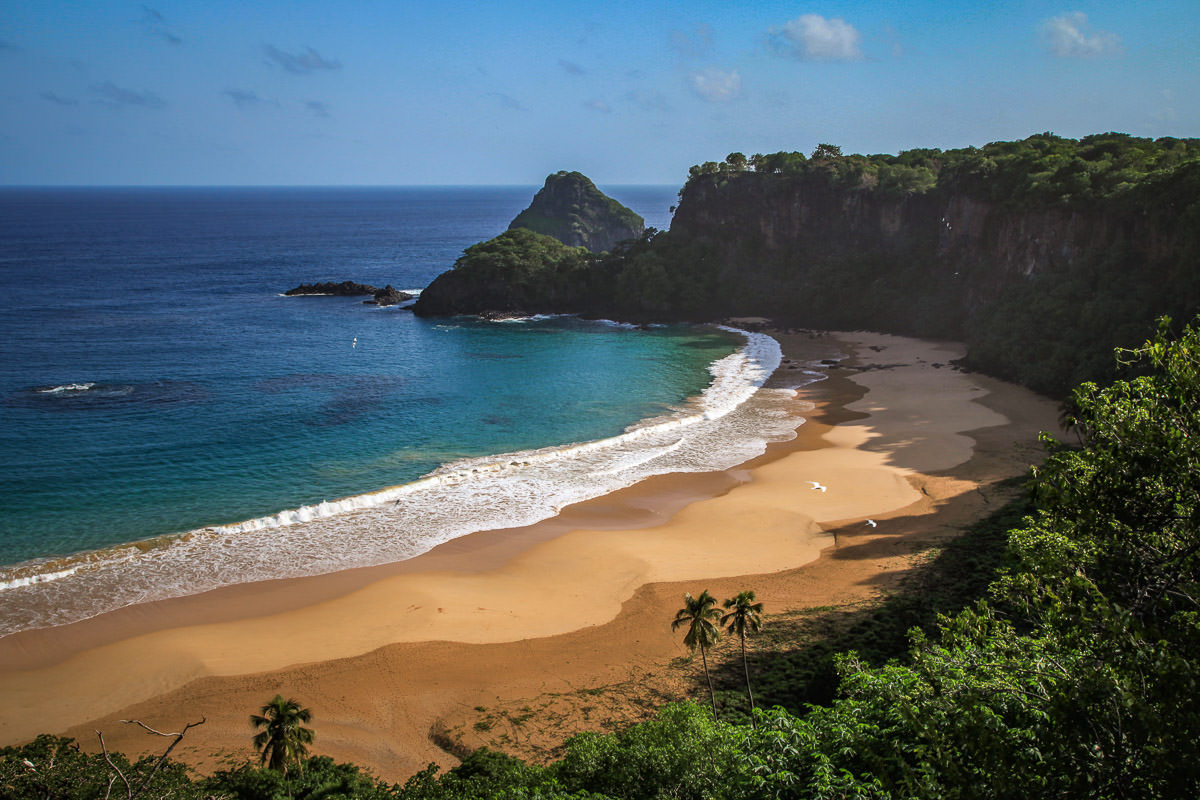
387, 296
571, 209
343, 289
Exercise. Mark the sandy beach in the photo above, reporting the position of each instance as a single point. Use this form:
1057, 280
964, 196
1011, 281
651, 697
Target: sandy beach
529, 618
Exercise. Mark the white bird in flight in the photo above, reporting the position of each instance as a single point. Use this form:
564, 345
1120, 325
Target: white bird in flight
872, 523
817, 486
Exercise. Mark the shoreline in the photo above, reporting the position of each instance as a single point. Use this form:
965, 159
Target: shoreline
644, 503
465, 494
598, 563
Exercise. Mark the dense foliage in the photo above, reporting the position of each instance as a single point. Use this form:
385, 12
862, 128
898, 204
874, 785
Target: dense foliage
1076, 677
1043, 168
519, 270
523, 257
571, 209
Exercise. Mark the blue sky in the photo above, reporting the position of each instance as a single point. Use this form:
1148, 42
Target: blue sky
394, 92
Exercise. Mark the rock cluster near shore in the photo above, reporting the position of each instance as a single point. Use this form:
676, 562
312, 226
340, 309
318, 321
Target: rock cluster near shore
387, 296
343, 289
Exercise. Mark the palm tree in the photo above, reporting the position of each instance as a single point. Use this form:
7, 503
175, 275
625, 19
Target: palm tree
700, 615
744, 616
282, 739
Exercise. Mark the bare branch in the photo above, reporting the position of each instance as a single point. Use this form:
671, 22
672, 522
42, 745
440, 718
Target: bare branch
163, 758
115, 768
143, 725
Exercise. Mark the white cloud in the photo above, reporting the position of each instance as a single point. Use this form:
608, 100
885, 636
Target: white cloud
716, 85
814, 38
1069, 36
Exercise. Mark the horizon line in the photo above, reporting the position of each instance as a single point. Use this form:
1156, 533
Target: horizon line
297, 185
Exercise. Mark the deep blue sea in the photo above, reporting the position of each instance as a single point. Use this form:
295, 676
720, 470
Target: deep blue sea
170, 423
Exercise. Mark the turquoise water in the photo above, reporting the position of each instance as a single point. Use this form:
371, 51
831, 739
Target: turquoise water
171, 423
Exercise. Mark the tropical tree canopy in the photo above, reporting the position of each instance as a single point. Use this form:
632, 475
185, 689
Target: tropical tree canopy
283, 739
700, 615
744, 616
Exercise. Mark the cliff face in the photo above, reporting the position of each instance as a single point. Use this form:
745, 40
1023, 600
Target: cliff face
760, 226
1052, 284
571, 209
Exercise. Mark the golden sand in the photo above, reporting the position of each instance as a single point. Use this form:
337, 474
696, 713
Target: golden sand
383, 655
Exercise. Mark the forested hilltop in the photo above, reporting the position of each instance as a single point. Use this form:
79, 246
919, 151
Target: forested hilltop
1042, 254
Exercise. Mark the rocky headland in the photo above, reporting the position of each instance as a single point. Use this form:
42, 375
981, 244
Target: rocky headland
1042, 255
539, 263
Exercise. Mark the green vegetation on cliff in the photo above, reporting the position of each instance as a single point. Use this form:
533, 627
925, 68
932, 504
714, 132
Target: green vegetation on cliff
1043, 168
571, 209
519, 270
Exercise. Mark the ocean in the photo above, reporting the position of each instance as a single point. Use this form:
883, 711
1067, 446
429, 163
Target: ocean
171, 423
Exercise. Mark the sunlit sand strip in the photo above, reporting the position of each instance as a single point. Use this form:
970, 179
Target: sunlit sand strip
918, 418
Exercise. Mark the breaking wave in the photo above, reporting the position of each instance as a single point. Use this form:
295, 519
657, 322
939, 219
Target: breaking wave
731, 422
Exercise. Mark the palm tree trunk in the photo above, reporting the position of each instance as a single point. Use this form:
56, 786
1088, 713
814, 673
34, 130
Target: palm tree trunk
749, 691
711, 694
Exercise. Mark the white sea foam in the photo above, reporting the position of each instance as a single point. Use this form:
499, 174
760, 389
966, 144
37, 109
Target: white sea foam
730, 423
67, 387
530, 318
36, 577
